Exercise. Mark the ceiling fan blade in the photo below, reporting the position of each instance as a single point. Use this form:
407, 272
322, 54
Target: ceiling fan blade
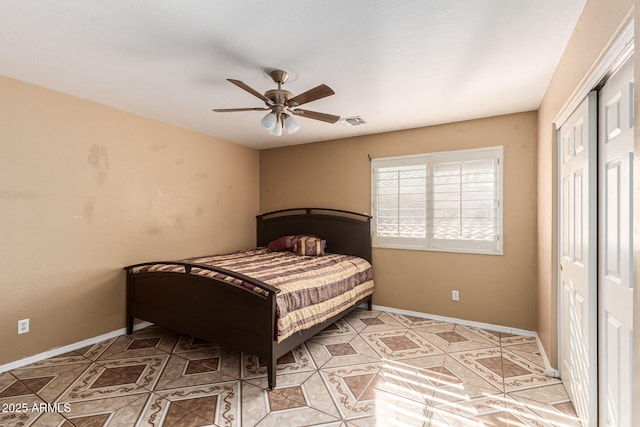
314, 94
230, 110
329, 118
249, 89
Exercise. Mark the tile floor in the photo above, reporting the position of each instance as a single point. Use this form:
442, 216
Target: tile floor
371, 368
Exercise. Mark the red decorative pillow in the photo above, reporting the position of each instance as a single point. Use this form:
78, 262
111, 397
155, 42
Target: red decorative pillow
284, 243
309, 245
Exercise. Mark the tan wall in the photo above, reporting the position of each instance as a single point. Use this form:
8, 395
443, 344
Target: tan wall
598, 25
85, 190
493, 289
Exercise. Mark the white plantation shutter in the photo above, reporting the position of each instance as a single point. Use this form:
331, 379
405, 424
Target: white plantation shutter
465, 204
401, 201
443, 201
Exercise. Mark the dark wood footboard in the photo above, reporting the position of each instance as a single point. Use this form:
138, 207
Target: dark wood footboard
204, 307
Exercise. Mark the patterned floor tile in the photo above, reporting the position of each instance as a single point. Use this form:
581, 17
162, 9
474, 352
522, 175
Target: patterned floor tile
340, 350
405, 381
297, 360
536, 413
33, 418
438, 334
400, 344
529, 351
51, 419
330, 424
485, 363
373, 321
409, 321
349, 387
391, 410
198, 368
49, 382
217, 404
17, 402
511, 339
116, 378
566, 408
490, 411
152, 342
431, 362
548, 394
331, 339
108, 411
387, 398
520, 373
310, 391
464, 338
456, 383
422, 375
10, 387
93, 352
404, 319
340, 327
293, 403
421, 322
82, 355
188, 344
492, 336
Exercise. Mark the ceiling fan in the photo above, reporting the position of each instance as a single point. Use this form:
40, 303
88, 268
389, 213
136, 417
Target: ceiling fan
284, 105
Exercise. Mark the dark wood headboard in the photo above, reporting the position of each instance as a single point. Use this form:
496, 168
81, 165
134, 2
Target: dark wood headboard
346, 232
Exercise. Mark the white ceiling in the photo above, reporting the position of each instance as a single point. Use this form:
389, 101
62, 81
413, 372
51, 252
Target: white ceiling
398, 64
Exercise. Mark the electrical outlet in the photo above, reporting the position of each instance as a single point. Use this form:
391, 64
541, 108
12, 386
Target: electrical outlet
455, 295
23, 326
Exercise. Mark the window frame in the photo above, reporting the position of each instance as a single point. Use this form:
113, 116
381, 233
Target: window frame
428, 243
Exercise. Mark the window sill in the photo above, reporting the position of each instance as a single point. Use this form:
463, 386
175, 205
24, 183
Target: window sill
498, 252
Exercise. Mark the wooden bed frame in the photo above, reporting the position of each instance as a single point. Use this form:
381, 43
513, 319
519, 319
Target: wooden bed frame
234, 316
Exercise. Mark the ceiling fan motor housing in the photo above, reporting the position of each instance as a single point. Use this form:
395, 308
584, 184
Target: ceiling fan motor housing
278, 96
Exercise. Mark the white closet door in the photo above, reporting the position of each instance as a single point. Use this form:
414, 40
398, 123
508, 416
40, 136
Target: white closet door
578, 252
615, 252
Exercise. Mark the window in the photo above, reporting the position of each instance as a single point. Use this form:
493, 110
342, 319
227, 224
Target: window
449, 201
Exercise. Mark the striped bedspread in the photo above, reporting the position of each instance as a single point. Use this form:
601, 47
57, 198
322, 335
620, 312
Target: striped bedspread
312, 289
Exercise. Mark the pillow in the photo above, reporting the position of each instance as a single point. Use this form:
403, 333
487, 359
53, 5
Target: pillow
284, 243
309, 245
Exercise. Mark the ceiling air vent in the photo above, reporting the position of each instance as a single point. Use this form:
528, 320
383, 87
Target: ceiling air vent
353, 121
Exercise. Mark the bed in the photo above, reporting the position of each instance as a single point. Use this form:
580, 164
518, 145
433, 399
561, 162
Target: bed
221, 298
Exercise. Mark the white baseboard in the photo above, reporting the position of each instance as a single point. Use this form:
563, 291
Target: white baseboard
463, 322
67, 348
548, 369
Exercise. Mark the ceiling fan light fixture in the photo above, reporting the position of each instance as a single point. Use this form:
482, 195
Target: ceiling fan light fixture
291, 124
283, 104
269, 121
277, 129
